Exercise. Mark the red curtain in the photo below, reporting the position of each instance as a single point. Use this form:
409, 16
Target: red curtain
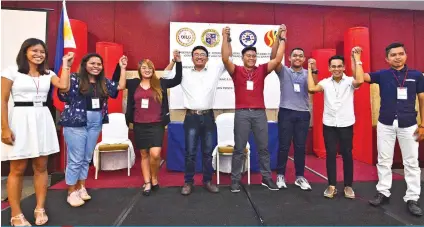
362, 132
321, 56
111, 52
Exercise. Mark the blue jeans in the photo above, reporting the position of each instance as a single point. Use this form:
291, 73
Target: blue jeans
81, 142
196, 126
292, 126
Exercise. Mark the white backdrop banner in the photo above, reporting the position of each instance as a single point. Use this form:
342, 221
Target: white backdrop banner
185, 36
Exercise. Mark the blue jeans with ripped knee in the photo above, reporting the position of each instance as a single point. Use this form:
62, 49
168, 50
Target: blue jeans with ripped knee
81, 142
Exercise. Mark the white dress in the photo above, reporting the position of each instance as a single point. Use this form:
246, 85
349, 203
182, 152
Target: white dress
33, 127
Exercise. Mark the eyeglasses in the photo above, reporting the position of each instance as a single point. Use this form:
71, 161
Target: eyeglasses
199, 55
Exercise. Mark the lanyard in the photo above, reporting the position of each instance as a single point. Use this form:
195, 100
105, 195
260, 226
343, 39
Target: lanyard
36, 86
404, 79
249, 75
94, 90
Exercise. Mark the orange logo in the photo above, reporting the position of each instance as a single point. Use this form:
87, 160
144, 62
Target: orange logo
269, 38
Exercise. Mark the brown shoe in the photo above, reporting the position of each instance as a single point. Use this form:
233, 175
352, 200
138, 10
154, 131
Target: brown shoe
349, 193
186, 190
211, 187
330, 192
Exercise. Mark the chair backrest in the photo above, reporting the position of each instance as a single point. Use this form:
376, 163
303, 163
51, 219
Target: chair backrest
225, 128
116, 130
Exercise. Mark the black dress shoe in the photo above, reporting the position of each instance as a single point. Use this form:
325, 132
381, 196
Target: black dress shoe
414, 208
379, 199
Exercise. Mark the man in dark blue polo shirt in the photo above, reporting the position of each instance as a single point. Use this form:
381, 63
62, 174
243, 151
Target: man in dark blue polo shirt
399, 86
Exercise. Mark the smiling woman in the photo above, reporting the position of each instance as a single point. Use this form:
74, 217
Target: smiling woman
28, 132
85, 111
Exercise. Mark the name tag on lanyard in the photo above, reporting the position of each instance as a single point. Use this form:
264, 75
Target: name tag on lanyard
249, 85
402, 93
144, 103
95, 103
296, 87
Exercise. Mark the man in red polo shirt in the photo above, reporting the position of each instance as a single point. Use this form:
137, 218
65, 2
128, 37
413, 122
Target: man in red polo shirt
250, 113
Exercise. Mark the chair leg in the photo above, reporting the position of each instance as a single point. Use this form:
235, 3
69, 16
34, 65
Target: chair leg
248, 169
217, 167
129, 157
97, 167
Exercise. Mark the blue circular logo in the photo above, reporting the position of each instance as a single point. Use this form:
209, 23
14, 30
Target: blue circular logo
248, 38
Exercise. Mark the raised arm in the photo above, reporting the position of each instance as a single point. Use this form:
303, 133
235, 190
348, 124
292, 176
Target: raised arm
123, 62
63, 82
274, 63
366, 77
274, 51
176, 80
7, 136
312, 87
226, 51
357, 65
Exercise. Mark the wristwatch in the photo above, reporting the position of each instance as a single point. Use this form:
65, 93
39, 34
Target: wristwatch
315, 71
359, 63
283, 39
421, 126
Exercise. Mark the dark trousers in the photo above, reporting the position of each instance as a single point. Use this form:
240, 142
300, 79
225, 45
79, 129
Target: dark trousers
342, 136
292, 126
246, 121
195, 127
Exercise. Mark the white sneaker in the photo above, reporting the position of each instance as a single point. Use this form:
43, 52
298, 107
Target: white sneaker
281, 183
75, 200
84, 194
303, 183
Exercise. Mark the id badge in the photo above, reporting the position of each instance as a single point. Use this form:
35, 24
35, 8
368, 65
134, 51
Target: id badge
38, 101
95, 103
144, 103
402, 93
38, 104
249, 85
296, 87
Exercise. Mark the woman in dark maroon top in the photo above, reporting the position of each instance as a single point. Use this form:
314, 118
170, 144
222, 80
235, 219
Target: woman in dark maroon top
147, 109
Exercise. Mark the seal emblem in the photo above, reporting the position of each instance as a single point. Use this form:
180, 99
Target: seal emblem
210, 37
248, 38
185, 37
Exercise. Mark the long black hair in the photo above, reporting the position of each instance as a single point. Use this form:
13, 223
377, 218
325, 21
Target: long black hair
22, 59
84, 83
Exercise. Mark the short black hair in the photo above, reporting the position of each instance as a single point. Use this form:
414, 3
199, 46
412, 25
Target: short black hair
22, 60
200, 48
394, 45
296, 48
247, 49
336, 57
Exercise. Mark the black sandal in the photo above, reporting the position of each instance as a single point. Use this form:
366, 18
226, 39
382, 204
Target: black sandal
147, 192
155, 187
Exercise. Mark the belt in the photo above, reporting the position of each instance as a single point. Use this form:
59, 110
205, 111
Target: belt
198, 112
251, 109
37, 104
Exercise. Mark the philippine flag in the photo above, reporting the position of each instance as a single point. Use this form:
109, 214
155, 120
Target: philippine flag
65, 41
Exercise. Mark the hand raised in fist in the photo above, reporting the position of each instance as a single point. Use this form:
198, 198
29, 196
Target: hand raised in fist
68, 59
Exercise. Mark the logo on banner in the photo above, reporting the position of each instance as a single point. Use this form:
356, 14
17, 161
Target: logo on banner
248, 38
270, 37
210, 37
185, 37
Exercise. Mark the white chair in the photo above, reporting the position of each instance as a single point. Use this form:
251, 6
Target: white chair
225, 146
116, 144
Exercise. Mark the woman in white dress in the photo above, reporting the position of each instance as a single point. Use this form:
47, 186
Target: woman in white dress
28, 129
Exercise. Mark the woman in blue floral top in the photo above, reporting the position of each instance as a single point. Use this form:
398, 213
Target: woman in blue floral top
85, 112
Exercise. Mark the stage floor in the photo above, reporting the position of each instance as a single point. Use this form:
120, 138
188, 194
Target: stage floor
253, 206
